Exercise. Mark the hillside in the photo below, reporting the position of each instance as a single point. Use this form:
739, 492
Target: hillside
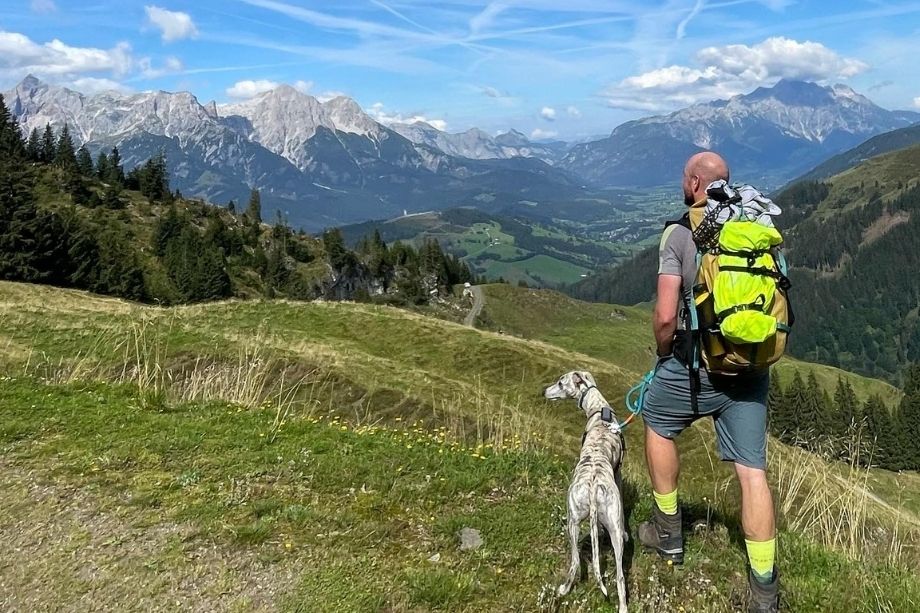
277, 455
842, 257
877, 145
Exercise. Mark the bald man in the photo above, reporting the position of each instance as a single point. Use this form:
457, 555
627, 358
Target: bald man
736, 403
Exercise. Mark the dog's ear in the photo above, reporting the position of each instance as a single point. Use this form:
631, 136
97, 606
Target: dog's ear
588, 377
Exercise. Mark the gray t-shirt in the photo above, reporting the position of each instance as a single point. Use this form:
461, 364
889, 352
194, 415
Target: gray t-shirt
677, 256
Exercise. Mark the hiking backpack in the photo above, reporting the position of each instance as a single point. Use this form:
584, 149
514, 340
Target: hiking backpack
739, 315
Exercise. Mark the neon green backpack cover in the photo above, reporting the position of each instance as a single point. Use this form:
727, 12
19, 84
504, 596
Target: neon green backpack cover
742, 294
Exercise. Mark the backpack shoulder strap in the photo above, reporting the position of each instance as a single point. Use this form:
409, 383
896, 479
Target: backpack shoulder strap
683, 221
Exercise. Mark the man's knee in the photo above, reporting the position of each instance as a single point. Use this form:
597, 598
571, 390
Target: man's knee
656, 444
750, 477
755, 489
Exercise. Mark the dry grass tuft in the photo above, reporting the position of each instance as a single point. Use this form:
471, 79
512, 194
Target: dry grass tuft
832, 503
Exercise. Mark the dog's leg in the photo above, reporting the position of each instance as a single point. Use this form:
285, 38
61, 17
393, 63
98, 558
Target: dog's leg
618, 477
595, 540
575, 562
617, 542
616, 528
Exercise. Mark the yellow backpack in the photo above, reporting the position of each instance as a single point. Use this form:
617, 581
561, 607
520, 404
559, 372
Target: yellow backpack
740, 315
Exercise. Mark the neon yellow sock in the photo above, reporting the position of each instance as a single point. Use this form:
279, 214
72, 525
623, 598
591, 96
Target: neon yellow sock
762, 555
667, 503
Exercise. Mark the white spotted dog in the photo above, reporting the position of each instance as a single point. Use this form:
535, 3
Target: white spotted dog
595, 492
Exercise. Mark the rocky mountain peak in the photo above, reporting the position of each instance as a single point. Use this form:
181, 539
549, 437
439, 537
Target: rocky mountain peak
348, 116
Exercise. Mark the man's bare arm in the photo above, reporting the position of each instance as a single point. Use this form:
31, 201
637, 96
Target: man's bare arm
664, 322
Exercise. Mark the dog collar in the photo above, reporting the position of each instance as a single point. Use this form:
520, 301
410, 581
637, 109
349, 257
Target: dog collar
584, 394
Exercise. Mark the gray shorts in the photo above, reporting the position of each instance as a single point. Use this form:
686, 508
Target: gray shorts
737, 405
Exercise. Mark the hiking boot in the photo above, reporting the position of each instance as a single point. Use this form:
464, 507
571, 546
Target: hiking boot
764, 597
664, 534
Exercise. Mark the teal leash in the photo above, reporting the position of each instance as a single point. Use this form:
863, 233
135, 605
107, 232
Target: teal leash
635, 397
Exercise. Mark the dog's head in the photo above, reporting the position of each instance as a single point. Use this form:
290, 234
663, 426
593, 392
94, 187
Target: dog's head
569, 385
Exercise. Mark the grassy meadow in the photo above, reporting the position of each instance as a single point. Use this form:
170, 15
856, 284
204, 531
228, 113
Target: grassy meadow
272, 455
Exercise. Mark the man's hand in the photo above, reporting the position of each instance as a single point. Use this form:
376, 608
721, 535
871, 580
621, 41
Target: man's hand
664, 322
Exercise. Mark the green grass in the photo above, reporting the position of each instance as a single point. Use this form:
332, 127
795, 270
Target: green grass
369, 437
362, 509
537, 270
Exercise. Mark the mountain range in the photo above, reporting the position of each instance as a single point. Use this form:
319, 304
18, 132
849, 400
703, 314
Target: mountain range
328, 162
769, 136
322, 163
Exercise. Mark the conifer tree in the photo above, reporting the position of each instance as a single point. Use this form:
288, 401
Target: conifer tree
276, 273
49, 146
115, 172
881, 429
813, 414
909, 414
848, 414
213, 280
84, 161
102, 166
34, 146
83, 254
120, 273
152, 178
111, 197
334, 244
33, 242
776, 405
254, 208
795, 399
168, 227
11, 144
64, 156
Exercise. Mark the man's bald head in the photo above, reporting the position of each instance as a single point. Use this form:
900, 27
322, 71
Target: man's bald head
701, 170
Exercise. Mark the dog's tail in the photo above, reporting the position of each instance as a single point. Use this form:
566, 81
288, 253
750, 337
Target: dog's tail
595, 539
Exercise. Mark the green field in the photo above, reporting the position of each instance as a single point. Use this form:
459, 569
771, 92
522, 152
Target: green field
323, 456
537, 253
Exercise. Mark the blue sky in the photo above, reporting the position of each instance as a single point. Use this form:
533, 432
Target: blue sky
550, 68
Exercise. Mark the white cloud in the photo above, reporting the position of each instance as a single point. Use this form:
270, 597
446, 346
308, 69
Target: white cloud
781, 57
722, 72
173, 25
171, 65
502, 98
43, 7
573, 111
381, 115
20, 55
303, 86
329, 95
94, 85
243, 90
548, 113
539, 134
485, 19
492, 92
917, 102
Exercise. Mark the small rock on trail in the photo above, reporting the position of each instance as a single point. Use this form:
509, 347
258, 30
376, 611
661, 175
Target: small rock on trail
470, 539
